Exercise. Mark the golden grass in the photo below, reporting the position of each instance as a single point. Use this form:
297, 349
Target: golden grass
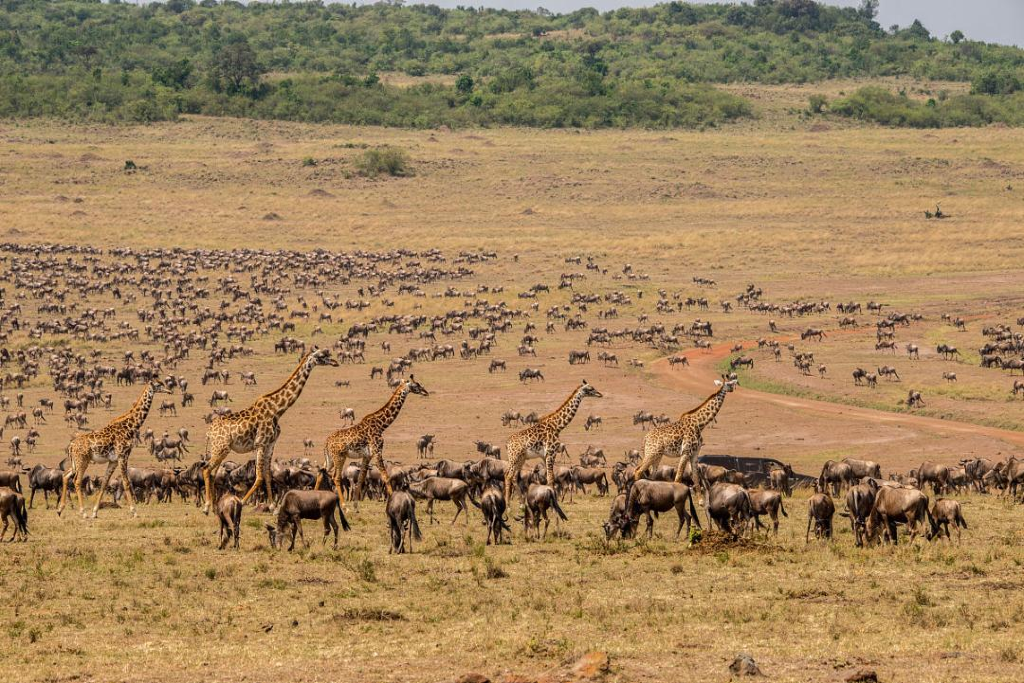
806, 209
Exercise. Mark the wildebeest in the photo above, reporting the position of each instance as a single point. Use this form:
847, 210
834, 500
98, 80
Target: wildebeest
812, 332
442, 488
779, 479
401, 511
425, 446
864, 468
728, 504
859, 500
298, 505
590, 475
45, 479
229, 512
836, 474
11, 480
646, 497
539, 499
492, 505
820, 510
530, 373
12, 505
618, 518
766, 503
897, 505
945, 512
934, 474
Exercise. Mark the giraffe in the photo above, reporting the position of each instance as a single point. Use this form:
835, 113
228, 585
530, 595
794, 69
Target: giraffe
366, 439
256, 427
541, 439
112, 445
683, 436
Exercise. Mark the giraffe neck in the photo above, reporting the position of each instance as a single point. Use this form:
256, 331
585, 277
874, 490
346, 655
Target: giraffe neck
134, 418
382, 418
564, 415
282, 399
703, 414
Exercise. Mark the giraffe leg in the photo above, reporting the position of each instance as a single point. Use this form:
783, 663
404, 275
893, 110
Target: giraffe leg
123, 462
377, 450
259, 478
269, 480
103, 488
651, 459
516, 455
339, 467
362, 477
218, 452
63, 491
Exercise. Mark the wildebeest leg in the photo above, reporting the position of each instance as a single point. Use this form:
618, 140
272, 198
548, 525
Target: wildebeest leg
460, 505
430, 509
547, 521
650, 524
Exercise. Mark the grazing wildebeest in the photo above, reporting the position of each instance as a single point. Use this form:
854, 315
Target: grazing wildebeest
492, 505
618, 518
12, 504
859, 500
442, 488
889, 372
648, 496
936, 475
766, 503
298, 505
530, 373
728, 503
820, 510
913, 351
219, 397
945, 512
401, 511
904, 505
539, 499
229, 512
838, 474
745, 361
859, 375
914, 399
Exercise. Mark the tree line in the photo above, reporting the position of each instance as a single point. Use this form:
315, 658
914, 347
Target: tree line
646, 67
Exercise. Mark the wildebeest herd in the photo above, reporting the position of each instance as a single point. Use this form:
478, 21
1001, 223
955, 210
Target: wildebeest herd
217, 306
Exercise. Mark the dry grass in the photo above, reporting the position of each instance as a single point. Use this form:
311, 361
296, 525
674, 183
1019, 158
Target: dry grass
803, 211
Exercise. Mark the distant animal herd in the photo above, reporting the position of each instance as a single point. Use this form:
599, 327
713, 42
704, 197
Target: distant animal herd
216, 303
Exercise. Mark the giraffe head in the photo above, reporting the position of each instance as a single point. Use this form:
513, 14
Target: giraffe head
728, 384
322, 357
415, 387
587, 389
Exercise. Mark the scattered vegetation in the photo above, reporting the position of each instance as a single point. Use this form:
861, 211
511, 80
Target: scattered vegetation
390, 161
880, 105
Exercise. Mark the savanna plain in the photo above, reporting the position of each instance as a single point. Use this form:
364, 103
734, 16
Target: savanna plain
807, 211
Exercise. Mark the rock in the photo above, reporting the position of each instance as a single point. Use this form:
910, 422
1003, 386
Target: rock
744, 665
592, 665
862, 676
474, 678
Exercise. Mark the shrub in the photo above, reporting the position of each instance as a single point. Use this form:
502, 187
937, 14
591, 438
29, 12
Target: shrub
387, 160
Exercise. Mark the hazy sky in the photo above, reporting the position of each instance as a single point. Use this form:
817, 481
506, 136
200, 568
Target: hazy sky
995, 21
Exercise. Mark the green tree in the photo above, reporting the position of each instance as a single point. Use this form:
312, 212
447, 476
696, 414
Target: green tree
956, 36
236, 66
464, 85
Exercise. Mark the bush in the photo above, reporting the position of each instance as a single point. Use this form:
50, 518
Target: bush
879, 105
391, 161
